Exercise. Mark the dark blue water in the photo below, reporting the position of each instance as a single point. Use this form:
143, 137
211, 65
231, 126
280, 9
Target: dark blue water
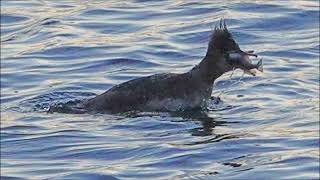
265, 127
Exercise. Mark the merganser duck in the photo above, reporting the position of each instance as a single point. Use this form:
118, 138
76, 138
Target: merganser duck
177, 92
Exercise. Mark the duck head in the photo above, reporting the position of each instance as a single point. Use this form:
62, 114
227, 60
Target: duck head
226, 53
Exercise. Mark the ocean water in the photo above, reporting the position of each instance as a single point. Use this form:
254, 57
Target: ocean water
264, 127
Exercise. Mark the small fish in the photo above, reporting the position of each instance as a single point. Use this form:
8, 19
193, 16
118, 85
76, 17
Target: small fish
241, 60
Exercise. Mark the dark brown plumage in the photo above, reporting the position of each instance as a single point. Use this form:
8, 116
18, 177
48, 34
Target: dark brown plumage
175, 92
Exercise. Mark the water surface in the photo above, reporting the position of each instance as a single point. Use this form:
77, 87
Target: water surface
265, 127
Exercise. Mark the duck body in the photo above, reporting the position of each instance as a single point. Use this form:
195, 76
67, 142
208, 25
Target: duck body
159, 92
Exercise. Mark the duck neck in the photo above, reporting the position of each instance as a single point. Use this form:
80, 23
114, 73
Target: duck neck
208, 70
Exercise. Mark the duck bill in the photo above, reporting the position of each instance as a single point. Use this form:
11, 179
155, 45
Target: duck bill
243, 61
